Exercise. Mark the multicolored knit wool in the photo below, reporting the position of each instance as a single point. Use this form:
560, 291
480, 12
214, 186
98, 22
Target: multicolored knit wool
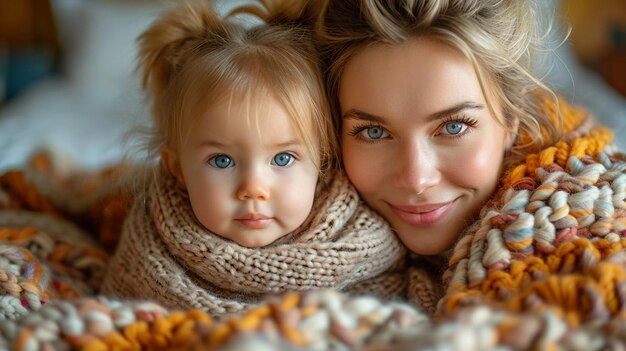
35, 267
314, 320
166, 255
92, 200
554, 235
542, 269
44, 254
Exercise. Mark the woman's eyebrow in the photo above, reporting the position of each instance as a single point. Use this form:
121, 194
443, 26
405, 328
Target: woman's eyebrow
466, 105
363, 116
454, 110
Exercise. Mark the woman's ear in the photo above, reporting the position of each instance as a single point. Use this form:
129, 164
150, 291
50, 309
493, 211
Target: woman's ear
171, 163
511, 134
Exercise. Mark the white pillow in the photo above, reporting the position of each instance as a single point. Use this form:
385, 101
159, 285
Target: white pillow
99, 38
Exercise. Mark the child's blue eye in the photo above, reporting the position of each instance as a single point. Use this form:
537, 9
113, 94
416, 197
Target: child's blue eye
454, 128
221, 161
283, 159
375, 132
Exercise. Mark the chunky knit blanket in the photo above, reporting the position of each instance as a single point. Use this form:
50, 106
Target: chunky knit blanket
167, 256
554, 235
543, 268
46, 249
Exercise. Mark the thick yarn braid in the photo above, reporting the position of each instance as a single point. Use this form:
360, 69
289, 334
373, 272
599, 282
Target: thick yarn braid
44, 254
164, 254
36, 267
553, 238
314, 320
563, 288
92, 200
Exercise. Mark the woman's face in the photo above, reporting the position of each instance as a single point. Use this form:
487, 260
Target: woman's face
418, 140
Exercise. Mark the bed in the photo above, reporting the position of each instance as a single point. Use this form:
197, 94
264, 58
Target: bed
83, 114
82, 117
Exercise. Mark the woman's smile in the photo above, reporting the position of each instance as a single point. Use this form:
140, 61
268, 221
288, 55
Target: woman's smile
423, 215
420, 145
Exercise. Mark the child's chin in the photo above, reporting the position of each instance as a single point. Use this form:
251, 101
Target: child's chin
258, 240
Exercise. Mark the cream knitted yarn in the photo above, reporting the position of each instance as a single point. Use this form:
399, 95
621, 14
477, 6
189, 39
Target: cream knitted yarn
166, 255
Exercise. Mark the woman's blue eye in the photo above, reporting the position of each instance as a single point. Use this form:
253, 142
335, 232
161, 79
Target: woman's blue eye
221, 161
454, 128
283, 159
375, 132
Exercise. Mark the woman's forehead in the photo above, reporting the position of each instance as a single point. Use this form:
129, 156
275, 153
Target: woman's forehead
420, 76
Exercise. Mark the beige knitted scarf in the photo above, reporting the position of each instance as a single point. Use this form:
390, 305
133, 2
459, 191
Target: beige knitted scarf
166, 255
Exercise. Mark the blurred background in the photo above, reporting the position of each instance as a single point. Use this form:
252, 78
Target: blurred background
67, 80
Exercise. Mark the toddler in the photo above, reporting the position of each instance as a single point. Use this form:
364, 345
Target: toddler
245, 201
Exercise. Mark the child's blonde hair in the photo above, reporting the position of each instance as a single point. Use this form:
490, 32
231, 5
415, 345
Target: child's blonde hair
190, 58
499, 38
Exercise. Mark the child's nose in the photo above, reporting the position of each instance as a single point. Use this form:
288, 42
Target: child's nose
253, 189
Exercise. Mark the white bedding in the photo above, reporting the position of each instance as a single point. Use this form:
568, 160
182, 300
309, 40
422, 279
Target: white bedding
83, 115
56, 116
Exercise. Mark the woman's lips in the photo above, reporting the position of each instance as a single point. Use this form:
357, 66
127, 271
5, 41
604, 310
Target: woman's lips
422, 215
255, 221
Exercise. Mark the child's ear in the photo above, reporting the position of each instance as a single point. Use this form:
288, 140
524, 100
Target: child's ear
171, 162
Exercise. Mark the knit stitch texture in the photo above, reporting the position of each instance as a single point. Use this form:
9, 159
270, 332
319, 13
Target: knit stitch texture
543, 268
553, 238
166, 255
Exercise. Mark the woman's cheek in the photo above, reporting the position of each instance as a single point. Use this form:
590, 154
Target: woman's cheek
477, 166
360, 167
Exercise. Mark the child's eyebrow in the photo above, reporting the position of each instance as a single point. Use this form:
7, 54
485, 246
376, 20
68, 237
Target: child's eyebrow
292, 142
210, 143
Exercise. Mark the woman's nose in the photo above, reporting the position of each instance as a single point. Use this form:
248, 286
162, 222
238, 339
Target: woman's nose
252, 187
417, 168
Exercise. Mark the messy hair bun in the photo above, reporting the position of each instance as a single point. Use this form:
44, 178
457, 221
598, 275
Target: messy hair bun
190, 57
284, 12
499, 37
166, 44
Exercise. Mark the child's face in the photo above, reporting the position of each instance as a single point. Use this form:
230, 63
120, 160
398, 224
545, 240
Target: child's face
250, 180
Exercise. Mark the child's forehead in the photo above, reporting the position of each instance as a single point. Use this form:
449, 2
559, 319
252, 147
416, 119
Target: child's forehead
234, 112
256, 106
235, 124
237, 108
252, 107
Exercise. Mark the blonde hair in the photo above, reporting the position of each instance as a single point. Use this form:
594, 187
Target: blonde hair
190, 58
499, 38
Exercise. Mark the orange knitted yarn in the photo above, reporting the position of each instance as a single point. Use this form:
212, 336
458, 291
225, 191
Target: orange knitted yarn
24, 194
179, 330
578, 275
92, 200
576, 143
553, 237
49, 268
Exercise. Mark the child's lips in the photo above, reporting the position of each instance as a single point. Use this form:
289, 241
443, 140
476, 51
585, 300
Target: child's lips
254, 221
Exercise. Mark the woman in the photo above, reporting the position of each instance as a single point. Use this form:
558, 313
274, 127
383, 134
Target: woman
447, 134
442, 125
